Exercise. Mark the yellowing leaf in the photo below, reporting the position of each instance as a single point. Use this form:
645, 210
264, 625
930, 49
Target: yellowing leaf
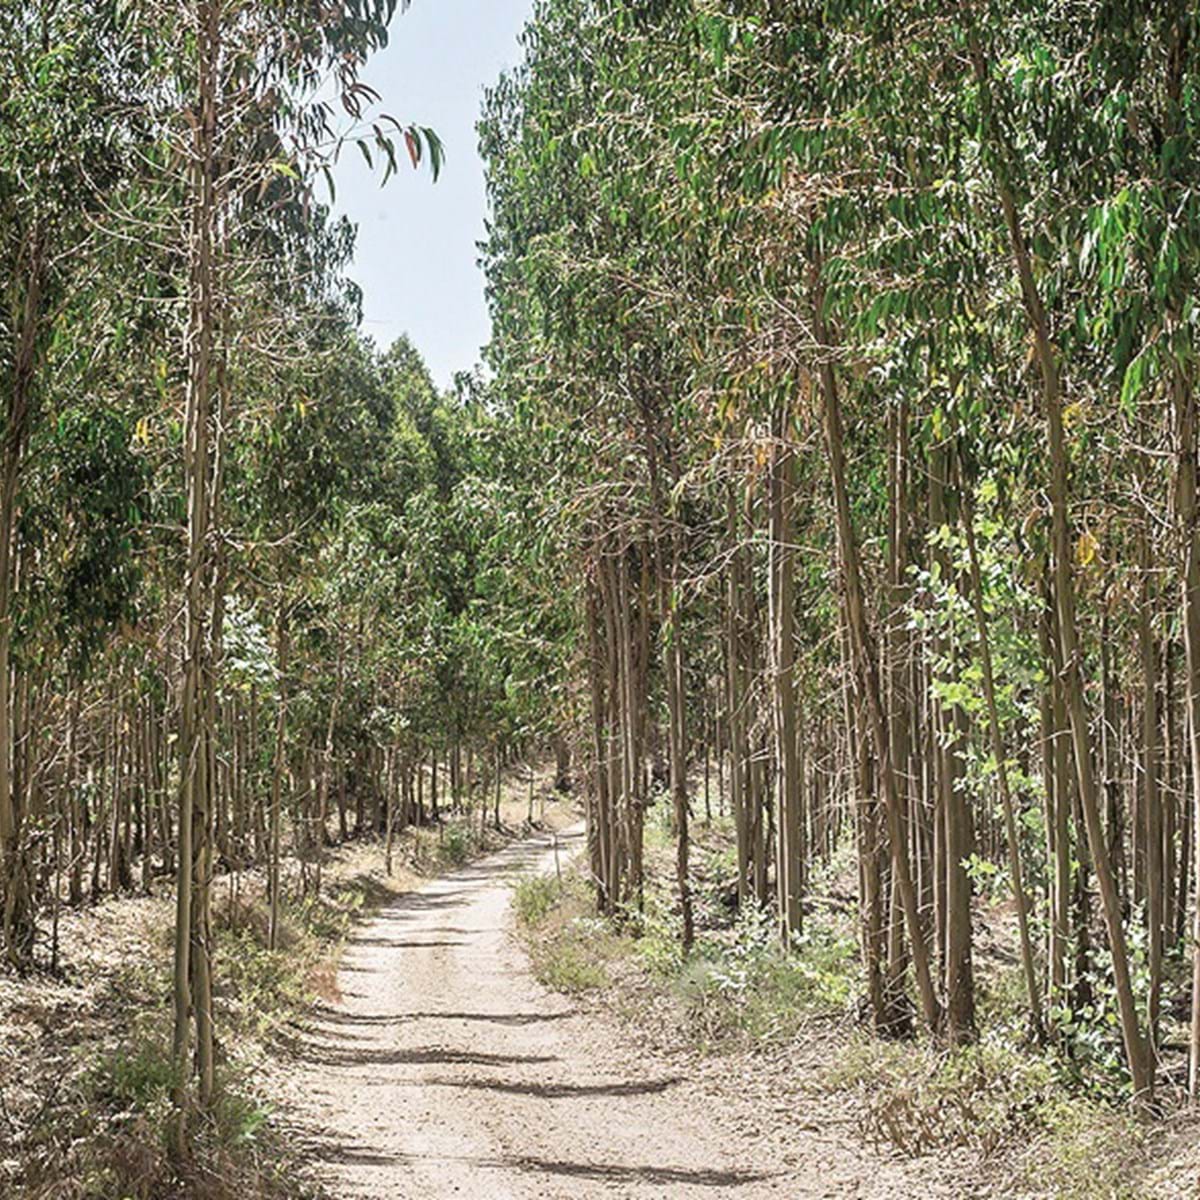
1070, 414
1086, 549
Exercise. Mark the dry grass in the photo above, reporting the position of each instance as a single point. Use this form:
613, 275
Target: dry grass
1000, 1119
85, 1074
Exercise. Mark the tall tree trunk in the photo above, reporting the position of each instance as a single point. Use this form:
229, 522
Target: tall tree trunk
1010, 823
1137, 1051
201, 454
899, 676
667, 565
951, 801
1188, 514
1151, 795
598, 822
17, 925
737, 701
789, 786
278, 772
867, 668
1056, 783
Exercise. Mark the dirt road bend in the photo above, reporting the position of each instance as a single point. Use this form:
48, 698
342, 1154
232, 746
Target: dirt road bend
447, 1071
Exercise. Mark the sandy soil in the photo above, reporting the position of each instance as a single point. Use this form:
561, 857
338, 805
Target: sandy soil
446, 1070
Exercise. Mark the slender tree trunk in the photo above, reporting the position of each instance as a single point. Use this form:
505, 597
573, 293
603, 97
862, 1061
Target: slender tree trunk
323, 782
17, 926
887, 1014
1188, 513
736, 701
898, 680
1010, 824
1137, 1051
668, 569
278, 771
1151, 823
598, 822
955, 822
1056, 782
195, 785
867, 669
789, 871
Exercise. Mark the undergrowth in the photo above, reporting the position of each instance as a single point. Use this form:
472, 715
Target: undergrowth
1046, 1122
86, 1074
1006, 1105
97, 1126
738, 988
570, 948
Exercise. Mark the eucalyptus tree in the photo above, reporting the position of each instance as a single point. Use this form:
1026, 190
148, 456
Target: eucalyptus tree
842, 412
243, 124
65, 125
1139, 256
589, 310
725, 233
1029, 120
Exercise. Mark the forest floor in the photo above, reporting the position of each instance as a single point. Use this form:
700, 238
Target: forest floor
773, 1048
85, 1071
443, 1068
468, 1027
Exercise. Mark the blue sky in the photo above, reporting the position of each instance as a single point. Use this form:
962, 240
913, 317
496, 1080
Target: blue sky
415, 257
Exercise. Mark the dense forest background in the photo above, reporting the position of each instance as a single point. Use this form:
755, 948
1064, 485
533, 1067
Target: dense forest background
838, 438
868, 331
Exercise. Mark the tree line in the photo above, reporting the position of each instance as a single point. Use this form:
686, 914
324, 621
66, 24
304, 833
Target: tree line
251, 568
862, 340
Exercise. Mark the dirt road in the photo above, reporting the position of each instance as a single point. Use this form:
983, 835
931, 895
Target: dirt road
448, 1071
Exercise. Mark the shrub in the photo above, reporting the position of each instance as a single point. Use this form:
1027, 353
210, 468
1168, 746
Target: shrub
135, 1078
1003, 1104
746, 985
534, 898
455, 846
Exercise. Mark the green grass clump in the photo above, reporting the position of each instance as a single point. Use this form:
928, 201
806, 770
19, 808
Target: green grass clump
738, 984
765, 996
569, 946
534, 898
743, 986
567, 967
136, 1077
1086, 1150
456, 845
113, 1133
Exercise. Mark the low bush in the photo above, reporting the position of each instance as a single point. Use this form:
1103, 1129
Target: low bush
456, 845
103, 1127
534, 898
1002, 1103
106, 1131
569, 946
566, 966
